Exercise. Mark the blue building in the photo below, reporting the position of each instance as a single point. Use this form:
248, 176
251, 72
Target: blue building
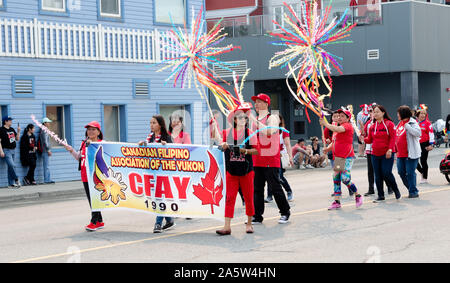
75, 61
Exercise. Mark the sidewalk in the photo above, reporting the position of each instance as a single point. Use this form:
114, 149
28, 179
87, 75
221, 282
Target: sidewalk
60, 189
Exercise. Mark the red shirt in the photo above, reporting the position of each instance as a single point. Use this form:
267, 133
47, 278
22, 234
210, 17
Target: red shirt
401, 142
382, 137
343, 142
426, 128
269, 148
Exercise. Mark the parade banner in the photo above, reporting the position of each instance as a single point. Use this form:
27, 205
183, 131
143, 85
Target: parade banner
166, 180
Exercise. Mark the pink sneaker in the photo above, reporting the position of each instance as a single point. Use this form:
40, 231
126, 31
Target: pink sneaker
334, 205
359, 201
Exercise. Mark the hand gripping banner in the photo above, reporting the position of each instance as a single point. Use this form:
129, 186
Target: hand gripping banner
167, 180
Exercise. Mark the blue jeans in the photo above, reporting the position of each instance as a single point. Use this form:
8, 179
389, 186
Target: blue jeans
407, 170
46, 168
159, 219
9, 158
382, 169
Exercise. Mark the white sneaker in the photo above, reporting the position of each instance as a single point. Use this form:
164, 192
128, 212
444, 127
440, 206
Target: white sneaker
309, 166
424, 181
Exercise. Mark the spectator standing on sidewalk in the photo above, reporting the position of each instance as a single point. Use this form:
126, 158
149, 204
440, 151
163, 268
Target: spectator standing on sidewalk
46, 148
28, 156
8, 138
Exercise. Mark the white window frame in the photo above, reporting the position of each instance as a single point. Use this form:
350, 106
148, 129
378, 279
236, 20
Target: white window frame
43, 8
114, 108
295, 6
169, 23
108, 15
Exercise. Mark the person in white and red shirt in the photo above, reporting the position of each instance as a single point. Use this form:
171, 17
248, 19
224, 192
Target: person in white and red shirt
267, 163
93, 134
381, 135
426, 143
408, 134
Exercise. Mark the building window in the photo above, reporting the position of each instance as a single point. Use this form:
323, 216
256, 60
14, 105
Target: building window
170, 11
114, 123
110, 8
2, 5
141, 88
278, 14
22, 86
3, 111
61, 122
54, 5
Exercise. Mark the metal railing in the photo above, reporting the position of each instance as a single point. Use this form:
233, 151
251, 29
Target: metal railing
263, 24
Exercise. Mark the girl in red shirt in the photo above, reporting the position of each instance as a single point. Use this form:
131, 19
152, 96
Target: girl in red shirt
93, 134
342, 147
381, 134
426, 143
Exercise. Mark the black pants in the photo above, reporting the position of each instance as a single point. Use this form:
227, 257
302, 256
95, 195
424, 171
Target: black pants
371, 176
422, 166
31, 169
270, 175
97, 215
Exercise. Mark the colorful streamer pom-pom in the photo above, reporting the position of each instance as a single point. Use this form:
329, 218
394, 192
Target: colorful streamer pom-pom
197, 49
305, 37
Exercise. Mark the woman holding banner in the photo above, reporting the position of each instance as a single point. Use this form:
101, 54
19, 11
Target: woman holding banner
93, 134
176, 129
239, 165
159, 134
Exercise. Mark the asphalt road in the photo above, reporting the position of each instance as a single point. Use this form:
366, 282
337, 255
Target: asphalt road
408, 230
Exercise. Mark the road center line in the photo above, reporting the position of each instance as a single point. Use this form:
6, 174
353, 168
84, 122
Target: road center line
192, 232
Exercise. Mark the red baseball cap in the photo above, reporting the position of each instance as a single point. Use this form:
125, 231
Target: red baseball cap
263, 97
94, 124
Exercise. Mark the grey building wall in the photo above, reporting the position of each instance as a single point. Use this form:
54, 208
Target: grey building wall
413, 67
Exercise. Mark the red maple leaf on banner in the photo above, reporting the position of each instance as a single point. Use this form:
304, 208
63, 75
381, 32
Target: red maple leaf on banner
209, 191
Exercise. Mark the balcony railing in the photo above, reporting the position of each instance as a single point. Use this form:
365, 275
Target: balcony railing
36, 39
263, 25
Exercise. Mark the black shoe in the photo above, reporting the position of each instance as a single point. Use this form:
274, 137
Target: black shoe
413, 196
398, 195
369, 193
168, 225
51, 182
390, 192
26, 182
157, 228
284, 219
256, 221
379, 199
